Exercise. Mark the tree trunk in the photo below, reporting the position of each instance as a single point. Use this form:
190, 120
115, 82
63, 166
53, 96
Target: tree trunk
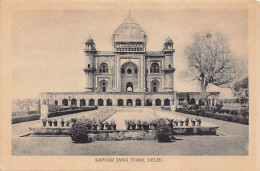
204, 89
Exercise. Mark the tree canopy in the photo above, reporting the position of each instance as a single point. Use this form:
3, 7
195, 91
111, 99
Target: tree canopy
211, 61
240, 89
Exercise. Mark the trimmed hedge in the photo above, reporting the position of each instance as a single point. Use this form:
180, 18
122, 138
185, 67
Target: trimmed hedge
27, 118
225, 117
33, 112
32, 117
66, 112
166, 108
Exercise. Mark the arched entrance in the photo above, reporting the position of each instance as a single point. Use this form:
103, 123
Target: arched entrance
201, 102
129, 87
138, 102
82, 102
100, 102
129, 72
158, 102
65, 102
91, 102
129, 102
73, 102
120, 102
149, 102
166, 102
109, 102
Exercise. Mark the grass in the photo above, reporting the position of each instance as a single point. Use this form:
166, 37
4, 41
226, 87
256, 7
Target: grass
233, 140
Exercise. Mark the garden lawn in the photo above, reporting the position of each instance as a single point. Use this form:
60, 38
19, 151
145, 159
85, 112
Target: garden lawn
233, 139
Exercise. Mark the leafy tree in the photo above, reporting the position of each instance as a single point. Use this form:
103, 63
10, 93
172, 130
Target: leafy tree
240, 89
211, 61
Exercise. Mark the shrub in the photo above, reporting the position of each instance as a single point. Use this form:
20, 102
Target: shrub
196, 107
79, 132
227, 111
200, 112
245, 121
219, 107
229, 117
163, 131
166, 108
190, 107
234, 112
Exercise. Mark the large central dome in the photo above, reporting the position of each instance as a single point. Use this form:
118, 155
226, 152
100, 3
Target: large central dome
129, 31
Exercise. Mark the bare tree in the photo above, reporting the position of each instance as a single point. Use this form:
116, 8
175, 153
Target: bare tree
210, 61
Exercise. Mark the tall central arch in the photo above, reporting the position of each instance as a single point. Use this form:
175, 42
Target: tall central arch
129, 77
129, 87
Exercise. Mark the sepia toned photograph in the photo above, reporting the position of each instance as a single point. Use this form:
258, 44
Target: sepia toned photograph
137, 84
93, 82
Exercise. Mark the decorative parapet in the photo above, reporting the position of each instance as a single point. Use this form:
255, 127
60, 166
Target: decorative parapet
92, 51
168, 51
108, 53
154, 53
51, 94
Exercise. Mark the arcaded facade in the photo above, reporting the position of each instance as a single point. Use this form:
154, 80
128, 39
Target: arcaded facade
129, 67
128, 75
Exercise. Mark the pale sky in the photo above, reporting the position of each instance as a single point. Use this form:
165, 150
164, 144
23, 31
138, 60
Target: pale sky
48, 45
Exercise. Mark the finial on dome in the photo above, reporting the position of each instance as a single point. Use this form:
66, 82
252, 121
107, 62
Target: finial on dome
129, 13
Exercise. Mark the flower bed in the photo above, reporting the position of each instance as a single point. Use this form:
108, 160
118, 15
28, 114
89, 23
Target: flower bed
109, 135
225, 117
100, 116
97, 126
71, 111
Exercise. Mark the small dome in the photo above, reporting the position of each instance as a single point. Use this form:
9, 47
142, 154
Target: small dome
169, 40
129, 31
90, 40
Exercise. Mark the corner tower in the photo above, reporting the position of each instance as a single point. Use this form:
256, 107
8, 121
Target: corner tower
168, 64
89, 69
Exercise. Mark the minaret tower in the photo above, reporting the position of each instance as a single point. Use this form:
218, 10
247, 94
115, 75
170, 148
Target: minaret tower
89, 69
168, 64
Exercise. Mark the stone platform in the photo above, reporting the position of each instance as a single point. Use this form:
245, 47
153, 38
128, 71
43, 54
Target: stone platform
127, 134
119, 115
